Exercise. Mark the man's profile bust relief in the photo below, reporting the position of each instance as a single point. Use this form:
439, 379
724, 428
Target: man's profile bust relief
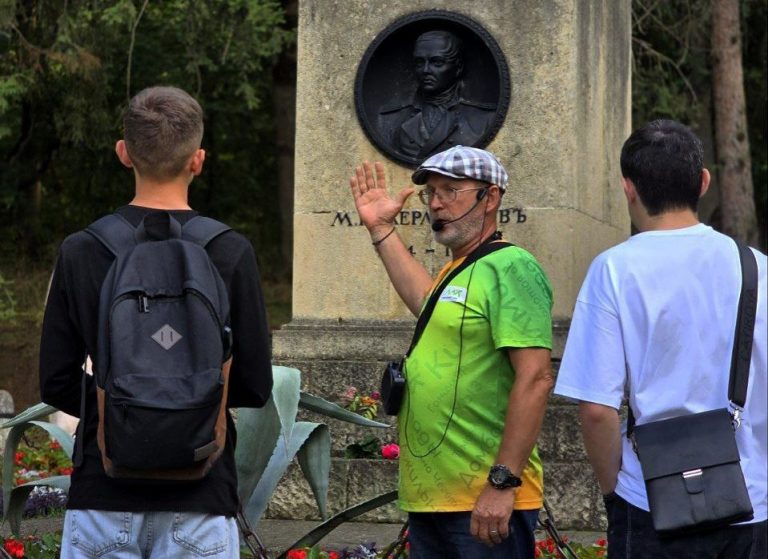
438, 116
428, 81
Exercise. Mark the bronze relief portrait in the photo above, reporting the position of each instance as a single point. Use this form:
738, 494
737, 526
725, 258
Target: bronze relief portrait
429, 81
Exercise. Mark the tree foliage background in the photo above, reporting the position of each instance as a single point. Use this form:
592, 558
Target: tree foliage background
68, 67
67, 70
672, 77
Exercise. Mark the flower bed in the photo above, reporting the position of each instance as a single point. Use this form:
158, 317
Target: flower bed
32, 547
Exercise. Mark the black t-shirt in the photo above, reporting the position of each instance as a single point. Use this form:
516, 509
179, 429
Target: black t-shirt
70, 332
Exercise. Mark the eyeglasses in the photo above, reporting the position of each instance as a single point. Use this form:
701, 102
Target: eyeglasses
426, 195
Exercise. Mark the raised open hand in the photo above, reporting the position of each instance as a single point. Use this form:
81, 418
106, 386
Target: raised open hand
377, 209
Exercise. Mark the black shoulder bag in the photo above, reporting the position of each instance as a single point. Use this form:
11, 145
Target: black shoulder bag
393, 381
691, 463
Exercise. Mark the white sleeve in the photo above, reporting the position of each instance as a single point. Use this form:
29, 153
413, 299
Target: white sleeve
594, 365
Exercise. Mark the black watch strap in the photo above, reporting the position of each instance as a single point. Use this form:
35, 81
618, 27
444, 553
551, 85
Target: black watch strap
501, 477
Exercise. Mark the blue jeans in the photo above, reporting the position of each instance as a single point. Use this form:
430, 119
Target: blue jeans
91, 534
445, 535
631, 536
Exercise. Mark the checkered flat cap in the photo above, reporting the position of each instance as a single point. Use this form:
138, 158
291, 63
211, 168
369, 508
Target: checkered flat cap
461, 162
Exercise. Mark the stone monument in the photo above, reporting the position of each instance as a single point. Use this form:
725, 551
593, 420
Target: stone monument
559, 137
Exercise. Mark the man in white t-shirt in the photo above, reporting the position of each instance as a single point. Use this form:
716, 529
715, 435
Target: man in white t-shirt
654, 324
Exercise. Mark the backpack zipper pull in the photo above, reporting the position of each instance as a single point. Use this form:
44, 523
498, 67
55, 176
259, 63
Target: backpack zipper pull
143, 304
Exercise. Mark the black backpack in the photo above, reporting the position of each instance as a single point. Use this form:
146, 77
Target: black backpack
163, 349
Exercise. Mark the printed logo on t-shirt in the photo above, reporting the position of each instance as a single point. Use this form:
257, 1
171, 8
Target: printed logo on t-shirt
454, 294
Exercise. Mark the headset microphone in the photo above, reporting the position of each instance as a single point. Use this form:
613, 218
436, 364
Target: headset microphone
439, 225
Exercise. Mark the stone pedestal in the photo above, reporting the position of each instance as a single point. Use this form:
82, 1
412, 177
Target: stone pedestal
569, 65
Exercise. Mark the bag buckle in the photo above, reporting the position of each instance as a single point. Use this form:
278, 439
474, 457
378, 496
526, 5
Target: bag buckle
736, 417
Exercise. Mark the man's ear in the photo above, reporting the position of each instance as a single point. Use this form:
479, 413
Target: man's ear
196, 163
493, 199
122, 154
629, 189
705, 179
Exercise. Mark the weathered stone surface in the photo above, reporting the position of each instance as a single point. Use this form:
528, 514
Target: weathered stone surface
304, 343
6, 412
572, 493
570, 489
369, 478
560, 438
293, 498
569, 66
352, 482
6, 404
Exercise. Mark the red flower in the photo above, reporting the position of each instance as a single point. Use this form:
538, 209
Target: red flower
14, 548
54, 445
18, 457
65, 471
601, 542
390, 451
537, 552
333, 555
297, 554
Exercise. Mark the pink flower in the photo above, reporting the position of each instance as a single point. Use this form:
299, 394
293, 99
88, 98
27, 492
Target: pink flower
376, 395
390, 451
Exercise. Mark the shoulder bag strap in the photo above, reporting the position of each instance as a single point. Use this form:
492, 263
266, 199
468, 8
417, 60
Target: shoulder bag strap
745, 327
485, 248
742, 339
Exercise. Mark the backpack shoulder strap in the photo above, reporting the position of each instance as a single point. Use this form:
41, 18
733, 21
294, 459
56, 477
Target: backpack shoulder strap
202, 230
114, 232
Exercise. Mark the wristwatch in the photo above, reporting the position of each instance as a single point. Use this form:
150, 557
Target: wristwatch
502, 477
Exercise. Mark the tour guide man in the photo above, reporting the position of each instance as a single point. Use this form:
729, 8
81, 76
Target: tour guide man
477, 381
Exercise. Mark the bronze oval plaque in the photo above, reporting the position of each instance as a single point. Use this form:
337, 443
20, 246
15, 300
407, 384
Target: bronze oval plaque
429, 81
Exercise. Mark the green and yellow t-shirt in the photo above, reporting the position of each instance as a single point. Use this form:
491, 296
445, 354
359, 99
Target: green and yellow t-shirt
459, 378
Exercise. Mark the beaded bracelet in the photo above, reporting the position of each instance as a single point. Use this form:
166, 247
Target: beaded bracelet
384, 238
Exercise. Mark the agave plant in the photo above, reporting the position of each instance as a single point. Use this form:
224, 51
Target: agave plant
268, 439
14, 498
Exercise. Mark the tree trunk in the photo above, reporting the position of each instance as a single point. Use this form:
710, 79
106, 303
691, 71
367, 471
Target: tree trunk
732, 143
284, 98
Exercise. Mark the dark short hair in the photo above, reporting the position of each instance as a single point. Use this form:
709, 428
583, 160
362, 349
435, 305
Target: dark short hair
163, 128
664, 160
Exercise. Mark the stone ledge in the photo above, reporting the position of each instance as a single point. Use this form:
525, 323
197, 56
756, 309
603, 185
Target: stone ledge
361, 340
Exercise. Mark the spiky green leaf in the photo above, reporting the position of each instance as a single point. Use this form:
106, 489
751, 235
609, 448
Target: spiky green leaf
285, 393
322, 530
32, 413
258, 431
18, 497
324, 407
286, 449
315, 461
